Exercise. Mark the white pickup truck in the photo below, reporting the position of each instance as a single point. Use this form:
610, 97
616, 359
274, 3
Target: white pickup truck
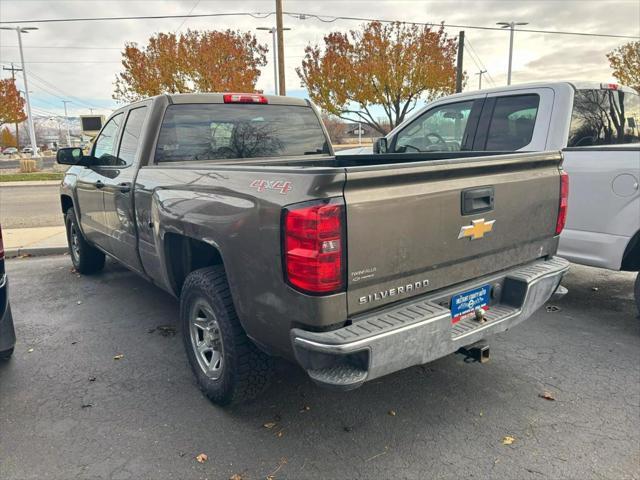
596, 125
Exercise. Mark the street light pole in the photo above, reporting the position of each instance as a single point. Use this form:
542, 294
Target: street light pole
279, 30
480, 73
32, 131
512, 27
273, 31
66, 118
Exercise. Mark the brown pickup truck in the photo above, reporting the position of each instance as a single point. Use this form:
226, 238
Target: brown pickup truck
353, 266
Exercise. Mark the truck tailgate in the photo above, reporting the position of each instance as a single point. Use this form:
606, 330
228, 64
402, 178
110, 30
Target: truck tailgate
405, 222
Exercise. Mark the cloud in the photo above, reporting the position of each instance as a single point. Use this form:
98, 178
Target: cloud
58, 74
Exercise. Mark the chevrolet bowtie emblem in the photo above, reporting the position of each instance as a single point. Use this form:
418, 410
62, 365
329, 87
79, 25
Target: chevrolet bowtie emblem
477, 229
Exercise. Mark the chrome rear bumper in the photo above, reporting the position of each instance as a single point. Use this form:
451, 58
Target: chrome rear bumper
420, 330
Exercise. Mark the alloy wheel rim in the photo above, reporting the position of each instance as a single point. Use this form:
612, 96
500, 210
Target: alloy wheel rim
206, 340
75, 242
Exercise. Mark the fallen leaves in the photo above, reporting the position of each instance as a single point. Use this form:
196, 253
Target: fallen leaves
508, 440
120, 356
547, 396
30, 350
269, 425
92, 379
392, 413
202, 457
283, 461
86, 405
235, 476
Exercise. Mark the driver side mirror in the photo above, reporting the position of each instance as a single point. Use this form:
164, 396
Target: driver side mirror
71, 156
380, 145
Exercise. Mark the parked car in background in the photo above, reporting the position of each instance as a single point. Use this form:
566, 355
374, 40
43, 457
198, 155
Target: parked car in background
596, 125
355, 267
10, 151
7, 332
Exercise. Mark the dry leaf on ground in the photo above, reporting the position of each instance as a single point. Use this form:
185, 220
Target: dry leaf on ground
547, 396
392, 413
508, 440
202, 457
269, 425
120, 356
235, 476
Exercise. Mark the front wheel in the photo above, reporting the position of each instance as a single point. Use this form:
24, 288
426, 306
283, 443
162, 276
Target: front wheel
86, 258
229, 368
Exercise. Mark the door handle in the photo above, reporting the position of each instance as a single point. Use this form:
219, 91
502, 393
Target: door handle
477, 200
99, 184
125, 187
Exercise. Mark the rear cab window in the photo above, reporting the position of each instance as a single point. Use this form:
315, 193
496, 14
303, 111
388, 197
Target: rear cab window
604, 117
512, 122
235, 131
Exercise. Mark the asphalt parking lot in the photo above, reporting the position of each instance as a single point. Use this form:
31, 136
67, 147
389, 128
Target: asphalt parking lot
69, 410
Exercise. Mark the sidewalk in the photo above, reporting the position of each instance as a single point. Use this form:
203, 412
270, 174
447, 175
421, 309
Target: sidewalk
31, 183
34, 241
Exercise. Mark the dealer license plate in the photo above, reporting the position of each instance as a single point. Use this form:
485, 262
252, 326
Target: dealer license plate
464, 304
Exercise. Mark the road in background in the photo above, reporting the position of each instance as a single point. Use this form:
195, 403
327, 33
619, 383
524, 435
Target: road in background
69, 410
30, 206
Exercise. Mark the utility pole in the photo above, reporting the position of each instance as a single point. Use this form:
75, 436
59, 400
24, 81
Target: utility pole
32, 131
460, 60
512, 27
480, 73
281, 83
13, 77
66, 118
273, 31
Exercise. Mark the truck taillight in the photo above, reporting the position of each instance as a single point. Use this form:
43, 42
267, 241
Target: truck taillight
564, 201
244, 98
313, 246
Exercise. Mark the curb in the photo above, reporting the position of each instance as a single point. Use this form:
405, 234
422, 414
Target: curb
35, 251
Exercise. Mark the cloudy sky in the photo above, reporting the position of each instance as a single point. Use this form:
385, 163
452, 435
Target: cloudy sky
79, 61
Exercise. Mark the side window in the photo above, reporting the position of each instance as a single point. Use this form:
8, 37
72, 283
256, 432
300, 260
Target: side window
105, 146
512, 122
604, 117
440, 129
130, 142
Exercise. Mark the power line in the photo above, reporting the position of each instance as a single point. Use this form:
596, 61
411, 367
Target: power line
187, 18
64, 47
482, 65
76, 99
142, 17
304, 16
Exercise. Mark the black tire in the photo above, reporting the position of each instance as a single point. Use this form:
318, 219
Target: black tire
241, 371
6, 354
636, 292
86, 258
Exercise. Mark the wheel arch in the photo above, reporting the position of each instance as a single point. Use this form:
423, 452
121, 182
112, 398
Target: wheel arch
184, 254
631, 255
66, 202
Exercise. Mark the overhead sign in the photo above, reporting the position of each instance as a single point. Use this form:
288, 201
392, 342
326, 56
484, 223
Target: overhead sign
91, 124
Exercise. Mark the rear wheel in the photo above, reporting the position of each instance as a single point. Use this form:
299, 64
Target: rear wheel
86, 258
6, 354
229, 368
637, 292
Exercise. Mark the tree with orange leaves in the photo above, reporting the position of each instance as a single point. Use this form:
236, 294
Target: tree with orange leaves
391, 65
625, 62
210, 61
11, 103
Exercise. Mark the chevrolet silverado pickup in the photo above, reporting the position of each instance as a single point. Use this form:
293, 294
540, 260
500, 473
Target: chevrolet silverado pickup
354, 267
596, 125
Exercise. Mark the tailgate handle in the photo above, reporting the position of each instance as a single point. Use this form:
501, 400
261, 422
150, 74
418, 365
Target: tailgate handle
477, 200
